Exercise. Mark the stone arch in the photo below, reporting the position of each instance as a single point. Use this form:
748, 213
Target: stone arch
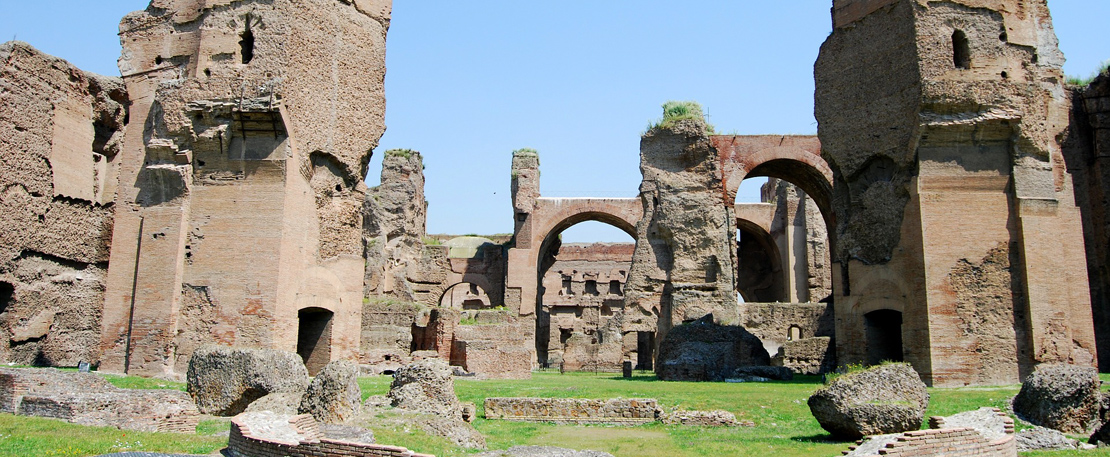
474, 288
759, 265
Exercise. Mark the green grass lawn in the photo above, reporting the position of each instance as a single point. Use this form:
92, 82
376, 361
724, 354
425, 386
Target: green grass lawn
784, 426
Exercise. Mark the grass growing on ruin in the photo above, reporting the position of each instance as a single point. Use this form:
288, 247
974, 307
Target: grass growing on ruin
1080, 81
22, 436
674, 111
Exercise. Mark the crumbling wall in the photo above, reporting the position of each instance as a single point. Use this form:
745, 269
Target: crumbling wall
245, 178
60, 135
583, 290
683, 264
1087, 152
394, 225
941, 122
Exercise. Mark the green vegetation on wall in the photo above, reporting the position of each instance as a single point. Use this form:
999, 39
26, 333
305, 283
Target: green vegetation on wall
1078, 81
674, 111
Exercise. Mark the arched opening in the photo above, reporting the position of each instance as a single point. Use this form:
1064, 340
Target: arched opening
583, 265
314, 338
884, 336
961, 50
794, 334
759, 268
784, 252
465, 296
7, 292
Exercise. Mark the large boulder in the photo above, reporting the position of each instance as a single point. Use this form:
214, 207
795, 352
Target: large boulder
1060, 397
224, 380
334, 395
888, 398
425, 386
705, 351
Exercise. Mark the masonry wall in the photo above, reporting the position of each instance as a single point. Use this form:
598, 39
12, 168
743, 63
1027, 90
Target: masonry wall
60, 137
1087, 152
622, 411
241, 198
965, 107
244, 443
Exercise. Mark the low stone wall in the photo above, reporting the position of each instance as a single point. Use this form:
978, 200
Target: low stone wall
131, 409
573, 410
963, 441
17, 382
88, 399
243, 443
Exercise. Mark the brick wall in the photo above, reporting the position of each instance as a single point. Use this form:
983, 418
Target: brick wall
243, 443
948, 442
573, 410
88, 399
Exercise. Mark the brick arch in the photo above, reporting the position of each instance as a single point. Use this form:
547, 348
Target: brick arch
562, 214
482, 283
791, 158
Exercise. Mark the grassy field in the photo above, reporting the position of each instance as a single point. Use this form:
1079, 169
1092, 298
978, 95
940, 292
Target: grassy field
784, 426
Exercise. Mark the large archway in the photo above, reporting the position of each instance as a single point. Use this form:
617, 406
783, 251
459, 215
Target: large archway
785, 238
580, 291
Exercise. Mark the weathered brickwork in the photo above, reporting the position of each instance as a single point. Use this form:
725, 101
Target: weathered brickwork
88, 399
243, 443
926, 111
623, 411
948, 442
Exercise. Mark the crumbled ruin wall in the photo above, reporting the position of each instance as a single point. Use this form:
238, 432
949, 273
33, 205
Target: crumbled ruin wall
1087, 152
60, 136
582, 292
241, 191
940, 121
617, 411
394, 225
682, 267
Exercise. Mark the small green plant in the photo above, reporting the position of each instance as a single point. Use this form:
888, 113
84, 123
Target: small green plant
432, 241
1104, 69
468, 321
406, 153
674, 111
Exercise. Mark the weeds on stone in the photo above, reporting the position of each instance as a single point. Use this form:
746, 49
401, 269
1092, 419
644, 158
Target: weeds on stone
1079, 81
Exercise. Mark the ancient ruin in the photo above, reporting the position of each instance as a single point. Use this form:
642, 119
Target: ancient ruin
959, 108
214, 195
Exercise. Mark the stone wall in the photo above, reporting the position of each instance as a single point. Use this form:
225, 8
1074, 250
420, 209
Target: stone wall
683, 265
61, 131
956, 226
582, 292
1087, 152
796, 335
245, 443
88, 399
619, 411
239, 210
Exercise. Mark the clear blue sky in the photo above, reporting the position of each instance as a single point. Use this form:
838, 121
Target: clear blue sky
469, 82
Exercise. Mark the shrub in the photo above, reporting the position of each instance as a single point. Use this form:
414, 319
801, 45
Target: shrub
674, 111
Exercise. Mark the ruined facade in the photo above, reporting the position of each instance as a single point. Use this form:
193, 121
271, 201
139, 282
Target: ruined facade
214, 194
1087, 152
238, 212
957, 235
61, 131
